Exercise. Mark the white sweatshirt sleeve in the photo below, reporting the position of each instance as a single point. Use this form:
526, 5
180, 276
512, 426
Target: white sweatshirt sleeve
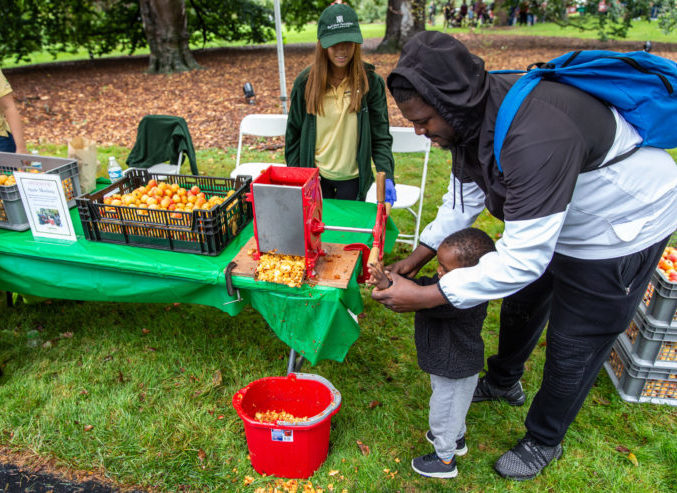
452, 218
522, 256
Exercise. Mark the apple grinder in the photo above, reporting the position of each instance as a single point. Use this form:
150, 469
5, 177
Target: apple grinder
287, 205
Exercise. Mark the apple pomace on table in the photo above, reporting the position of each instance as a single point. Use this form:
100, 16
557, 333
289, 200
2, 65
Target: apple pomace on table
281, 269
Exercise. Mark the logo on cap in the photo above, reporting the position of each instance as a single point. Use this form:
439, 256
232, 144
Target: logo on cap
339, 19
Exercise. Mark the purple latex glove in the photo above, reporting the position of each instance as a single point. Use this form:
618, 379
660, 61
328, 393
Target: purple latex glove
391, 193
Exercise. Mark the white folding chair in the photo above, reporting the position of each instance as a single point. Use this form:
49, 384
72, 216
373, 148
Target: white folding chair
164, 169
260, 126
406, 140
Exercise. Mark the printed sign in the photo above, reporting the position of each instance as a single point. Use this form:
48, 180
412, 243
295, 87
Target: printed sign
45, 204
282, 435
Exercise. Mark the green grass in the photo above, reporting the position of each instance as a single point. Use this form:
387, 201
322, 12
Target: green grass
640, 31
154, 403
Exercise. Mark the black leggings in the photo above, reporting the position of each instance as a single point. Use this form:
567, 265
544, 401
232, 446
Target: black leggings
343, 190
586, 304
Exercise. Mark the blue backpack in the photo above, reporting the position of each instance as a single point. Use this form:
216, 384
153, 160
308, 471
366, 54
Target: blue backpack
639, 85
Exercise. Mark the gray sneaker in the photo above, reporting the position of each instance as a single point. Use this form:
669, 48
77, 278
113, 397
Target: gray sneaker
461, 447
513, 395
526, 459
430, 465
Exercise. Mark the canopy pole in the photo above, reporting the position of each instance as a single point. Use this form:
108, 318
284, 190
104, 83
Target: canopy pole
280, 56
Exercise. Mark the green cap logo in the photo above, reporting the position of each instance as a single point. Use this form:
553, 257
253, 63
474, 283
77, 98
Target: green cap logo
338, 23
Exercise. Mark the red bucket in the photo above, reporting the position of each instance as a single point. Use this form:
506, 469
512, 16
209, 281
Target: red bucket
283, 449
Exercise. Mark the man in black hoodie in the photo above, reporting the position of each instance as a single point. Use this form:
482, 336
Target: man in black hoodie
580, 242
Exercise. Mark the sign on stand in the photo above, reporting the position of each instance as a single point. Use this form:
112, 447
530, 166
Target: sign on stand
45, 204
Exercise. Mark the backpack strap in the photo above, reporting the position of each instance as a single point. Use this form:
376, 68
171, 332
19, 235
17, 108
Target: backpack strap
511, 103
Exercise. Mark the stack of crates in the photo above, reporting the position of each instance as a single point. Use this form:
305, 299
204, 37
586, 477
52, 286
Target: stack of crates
12, 213
643, 361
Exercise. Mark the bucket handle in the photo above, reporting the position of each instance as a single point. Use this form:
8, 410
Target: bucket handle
330, 410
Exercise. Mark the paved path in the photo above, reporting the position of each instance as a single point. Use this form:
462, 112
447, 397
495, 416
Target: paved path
15, 480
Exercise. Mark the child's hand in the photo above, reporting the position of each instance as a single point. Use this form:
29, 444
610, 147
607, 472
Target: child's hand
377, 277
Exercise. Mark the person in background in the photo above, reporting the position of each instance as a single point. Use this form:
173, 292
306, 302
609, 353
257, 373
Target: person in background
448, 13
11, 127
338, 115
449, 347
432, 11
587, 214
463, 11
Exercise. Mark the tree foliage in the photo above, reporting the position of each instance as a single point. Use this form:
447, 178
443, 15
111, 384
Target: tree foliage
611, 19
102, 26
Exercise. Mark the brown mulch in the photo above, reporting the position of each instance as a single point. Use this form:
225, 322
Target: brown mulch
105, 99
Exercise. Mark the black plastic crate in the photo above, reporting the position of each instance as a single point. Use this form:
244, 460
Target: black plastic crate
13, 215
660, 299
204, 232
652, 341
640, 383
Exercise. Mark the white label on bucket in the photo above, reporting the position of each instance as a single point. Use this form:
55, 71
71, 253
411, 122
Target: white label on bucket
282, 435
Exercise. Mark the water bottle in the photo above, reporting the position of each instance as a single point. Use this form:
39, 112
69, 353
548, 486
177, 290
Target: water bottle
114, 169
35, 165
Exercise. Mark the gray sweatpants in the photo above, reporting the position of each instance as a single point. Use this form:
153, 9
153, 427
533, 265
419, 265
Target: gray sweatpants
449, 404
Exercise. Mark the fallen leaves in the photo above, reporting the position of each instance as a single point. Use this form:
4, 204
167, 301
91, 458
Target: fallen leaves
363, 448
633, 459
217, 378
628, 455
88, 427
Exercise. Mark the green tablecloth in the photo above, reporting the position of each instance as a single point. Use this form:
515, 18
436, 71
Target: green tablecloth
315, 321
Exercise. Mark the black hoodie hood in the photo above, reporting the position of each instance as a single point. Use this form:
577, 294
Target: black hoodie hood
448, 77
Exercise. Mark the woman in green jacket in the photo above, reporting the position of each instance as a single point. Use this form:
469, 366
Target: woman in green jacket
338, 119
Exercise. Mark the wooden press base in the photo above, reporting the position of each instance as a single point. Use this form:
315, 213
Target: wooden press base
333, 269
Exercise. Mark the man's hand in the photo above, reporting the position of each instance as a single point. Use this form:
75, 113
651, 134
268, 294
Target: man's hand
407, 296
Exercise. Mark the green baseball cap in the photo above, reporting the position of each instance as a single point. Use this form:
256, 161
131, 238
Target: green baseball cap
337, 24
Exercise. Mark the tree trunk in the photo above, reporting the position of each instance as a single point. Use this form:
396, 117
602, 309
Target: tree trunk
404, 19
164, 22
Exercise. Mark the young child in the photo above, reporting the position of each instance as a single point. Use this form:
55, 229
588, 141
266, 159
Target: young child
449, 347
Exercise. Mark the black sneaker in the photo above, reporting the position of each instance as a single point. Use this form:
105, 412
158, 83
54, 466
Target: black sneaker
430, 465
526, 459
461, 447
513, 395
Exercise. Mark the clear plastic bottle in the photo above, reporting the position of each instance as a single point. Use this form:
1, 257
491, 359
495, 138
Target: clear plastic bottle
114, 169
36, 165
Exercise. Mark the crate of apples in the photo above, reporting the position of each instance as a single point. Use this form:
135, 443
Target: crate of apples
163, 196
667, 265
